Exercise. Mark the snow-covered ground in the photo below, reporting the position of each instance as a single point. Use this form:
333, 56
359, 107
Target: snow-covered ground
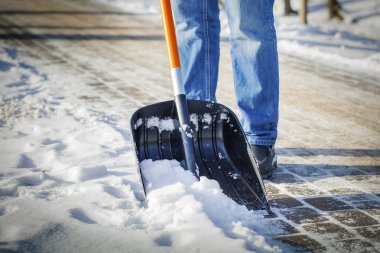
69, 172
68, 178
352, 45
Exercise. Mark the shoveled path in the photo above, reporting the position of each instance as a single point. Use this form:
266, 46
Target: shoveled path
325, 195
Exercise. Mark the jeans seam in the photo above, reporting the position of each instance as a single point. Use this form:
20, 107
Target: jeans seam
207, 53
262, 142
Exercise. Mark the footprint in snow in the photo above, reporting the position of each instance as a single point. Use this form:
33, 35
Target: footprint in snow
25, 162
5, 66
115, 192
57, 144
164, 240
80, 215
33, 180
9, 209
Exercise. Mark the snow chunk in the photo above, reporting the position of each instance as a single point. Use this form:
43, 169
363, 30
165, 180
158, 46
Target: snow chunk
224, 116
166, 124
138, 123
187, 130
194, 120
84, 173
164, 172
207, 118
153, 122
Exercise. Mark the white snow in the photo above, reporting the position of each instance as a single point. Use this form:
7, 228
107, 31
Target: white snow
207, 118
194, 120
352, 45
69, 178
167, 124
160, 124
68, 175
83, 173
177, 199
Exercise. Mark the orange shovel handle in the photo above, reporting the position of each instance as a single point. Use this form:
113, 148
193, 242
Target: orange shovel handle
171, 40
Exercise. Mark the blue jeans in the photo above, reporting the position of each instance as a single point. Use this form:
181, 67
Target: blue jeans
253, 53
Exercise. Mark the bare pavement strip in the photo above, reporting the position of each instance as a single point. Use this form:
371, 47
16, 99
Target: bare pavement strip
325, 195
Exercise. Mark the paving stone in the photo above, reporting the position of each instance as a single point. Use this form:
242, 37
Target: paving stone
358, 178
363, 205
305, 170
354, 218
302, 190
287, 228
277, 227
354, 245
271, 189
303, 215
285, 178
373, 170
370, 232
327, 204
346, 171
283, 201
355, 197
303, 243
375, 211
371, 187
345, 191
330, 230
271, 215
281, 169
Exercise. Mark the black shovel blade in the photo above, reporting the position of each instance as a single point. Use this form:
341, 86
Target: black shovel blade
221, 149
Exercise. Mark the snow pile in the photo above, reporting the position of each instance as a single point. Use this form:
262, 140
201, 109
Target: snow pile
352, 44
184, 205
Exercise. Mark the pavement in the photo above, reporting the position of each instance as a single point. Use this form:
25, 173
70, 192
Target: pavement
325, 194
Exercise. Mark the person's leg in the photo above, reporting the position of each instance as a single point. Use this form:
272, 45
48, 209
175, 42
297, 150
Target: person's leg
198, 28
255, 67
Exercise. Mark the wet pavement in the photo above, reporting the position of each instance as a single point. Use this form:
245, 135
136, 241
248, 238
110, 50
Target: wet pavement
325, 194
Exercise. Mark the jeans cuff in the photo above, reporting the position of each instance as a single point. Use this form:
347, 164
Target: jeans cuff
262, 142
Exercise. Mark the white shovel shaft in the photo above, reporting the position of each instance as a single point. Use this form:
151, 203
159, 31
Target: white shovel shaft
177, 82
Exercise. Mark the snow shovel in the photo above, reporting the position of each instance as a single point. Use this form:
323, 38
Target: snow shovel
205, 137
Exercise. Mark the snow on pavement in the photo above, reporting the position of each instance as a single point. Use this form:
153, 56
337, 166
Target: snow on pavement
69, 181
352, 45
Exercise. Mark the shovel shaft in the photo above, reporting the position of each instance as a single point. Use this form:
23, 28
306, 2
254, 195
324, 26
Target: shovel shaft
170, 37
179, 92
186, 133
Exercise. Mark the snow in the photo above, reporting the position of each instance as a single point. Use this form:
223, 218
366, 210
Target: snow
177, 199
352, 45
83, 173
194, 120
207, 118
68, 176
69, 179
161, 124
